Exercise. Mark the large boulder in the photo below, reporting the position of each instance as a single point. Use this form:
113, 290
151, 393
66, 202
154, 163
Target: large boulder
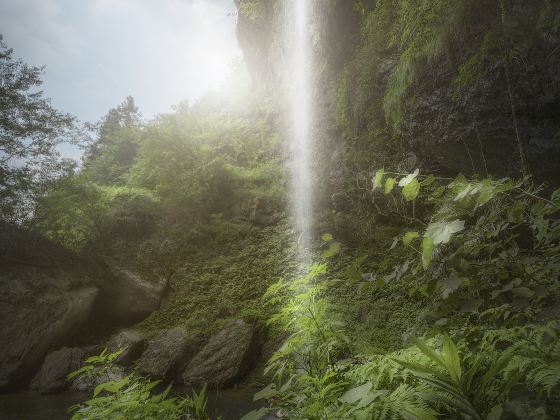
56, 367
45, 298
226, 358
126, 297
133, 344
166, 356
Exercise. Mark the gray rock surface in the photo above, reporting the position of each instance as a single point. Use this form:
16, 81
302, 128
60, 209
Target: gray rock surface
133, 343
127, 297
87, 383
58, 364
166, 356
226, 358
45, 298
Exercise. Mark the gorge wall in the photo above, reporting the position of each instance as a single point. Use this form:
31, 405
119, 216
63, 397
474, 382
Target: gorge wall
448, 86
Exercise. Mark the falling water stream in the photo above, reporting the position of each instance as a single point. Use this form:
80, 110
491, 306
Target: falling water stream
300, 91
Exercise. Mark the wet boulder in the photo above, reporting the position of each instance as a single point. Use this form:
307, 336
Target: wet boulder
166, 356
131, 341
227, 357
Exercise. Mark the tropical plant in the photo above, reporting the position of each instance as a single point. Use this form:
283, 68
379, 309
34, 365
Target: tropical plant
133, 396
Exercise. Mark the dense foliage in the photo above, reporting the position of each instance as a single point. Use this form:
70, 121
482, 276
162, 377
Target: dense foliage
487, 260
132, 397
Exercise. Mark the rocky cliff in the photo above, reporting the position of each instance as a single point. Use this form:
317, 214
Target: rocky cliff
50, 298
462, 91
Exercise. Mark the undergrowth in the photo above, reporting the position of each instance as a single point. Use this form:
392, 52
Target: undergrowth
475, 272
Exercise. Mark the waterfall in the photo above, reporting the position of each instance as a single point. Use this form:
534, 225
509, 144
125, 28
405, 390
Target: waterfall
300, 89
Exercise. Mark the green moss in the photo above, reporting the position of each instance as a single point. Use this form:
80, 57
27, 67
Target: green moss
225, 279
378, 317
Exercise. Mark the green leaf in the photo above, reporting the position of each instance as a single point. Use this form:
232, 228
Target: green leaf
327, 237
256, 414
111, 386
378, 177
389, 185
428, 181
409, 236
427, 251
496, 367
356, 394
440, 232
487, 193
430, 352
418, 369
265, 393
369, 398
452, 360
334, 248
462, 194
79, 372
411, 190
456, 399
408, 179
515, 212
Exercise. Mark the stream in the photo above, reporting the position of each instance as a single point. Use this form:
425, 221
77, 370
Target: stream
230, 404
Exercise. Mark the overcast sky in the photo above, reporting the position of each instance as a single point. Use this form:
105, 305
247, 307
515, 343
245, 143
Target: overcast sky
97, 52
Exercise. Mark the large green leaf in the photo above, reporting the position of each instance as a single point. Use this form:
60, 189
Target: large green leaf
378, 177
256, 414
440, 232
389, 184
265, 393
356, 394
408, 179
410, 191
430, 352
452, 360
409, 236
427, 251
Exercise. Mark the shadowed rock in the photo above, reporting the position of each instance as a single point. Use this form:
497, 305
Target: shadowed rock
56, 367
226, 358
45, 298
133, 344
166, 356
126, 297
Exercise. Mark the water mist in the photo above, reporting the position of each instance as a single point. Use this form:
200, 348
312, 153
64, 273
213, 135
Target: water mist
300, 90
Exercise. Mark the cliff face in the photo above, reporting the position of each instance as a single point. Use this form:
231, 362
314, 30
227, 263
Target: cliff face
47, 296
477, 133
51, 297
448, 124
255, 38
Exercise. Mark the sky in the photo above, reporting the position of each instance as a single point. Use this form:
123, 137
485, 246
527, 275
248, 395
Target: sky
97, 52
